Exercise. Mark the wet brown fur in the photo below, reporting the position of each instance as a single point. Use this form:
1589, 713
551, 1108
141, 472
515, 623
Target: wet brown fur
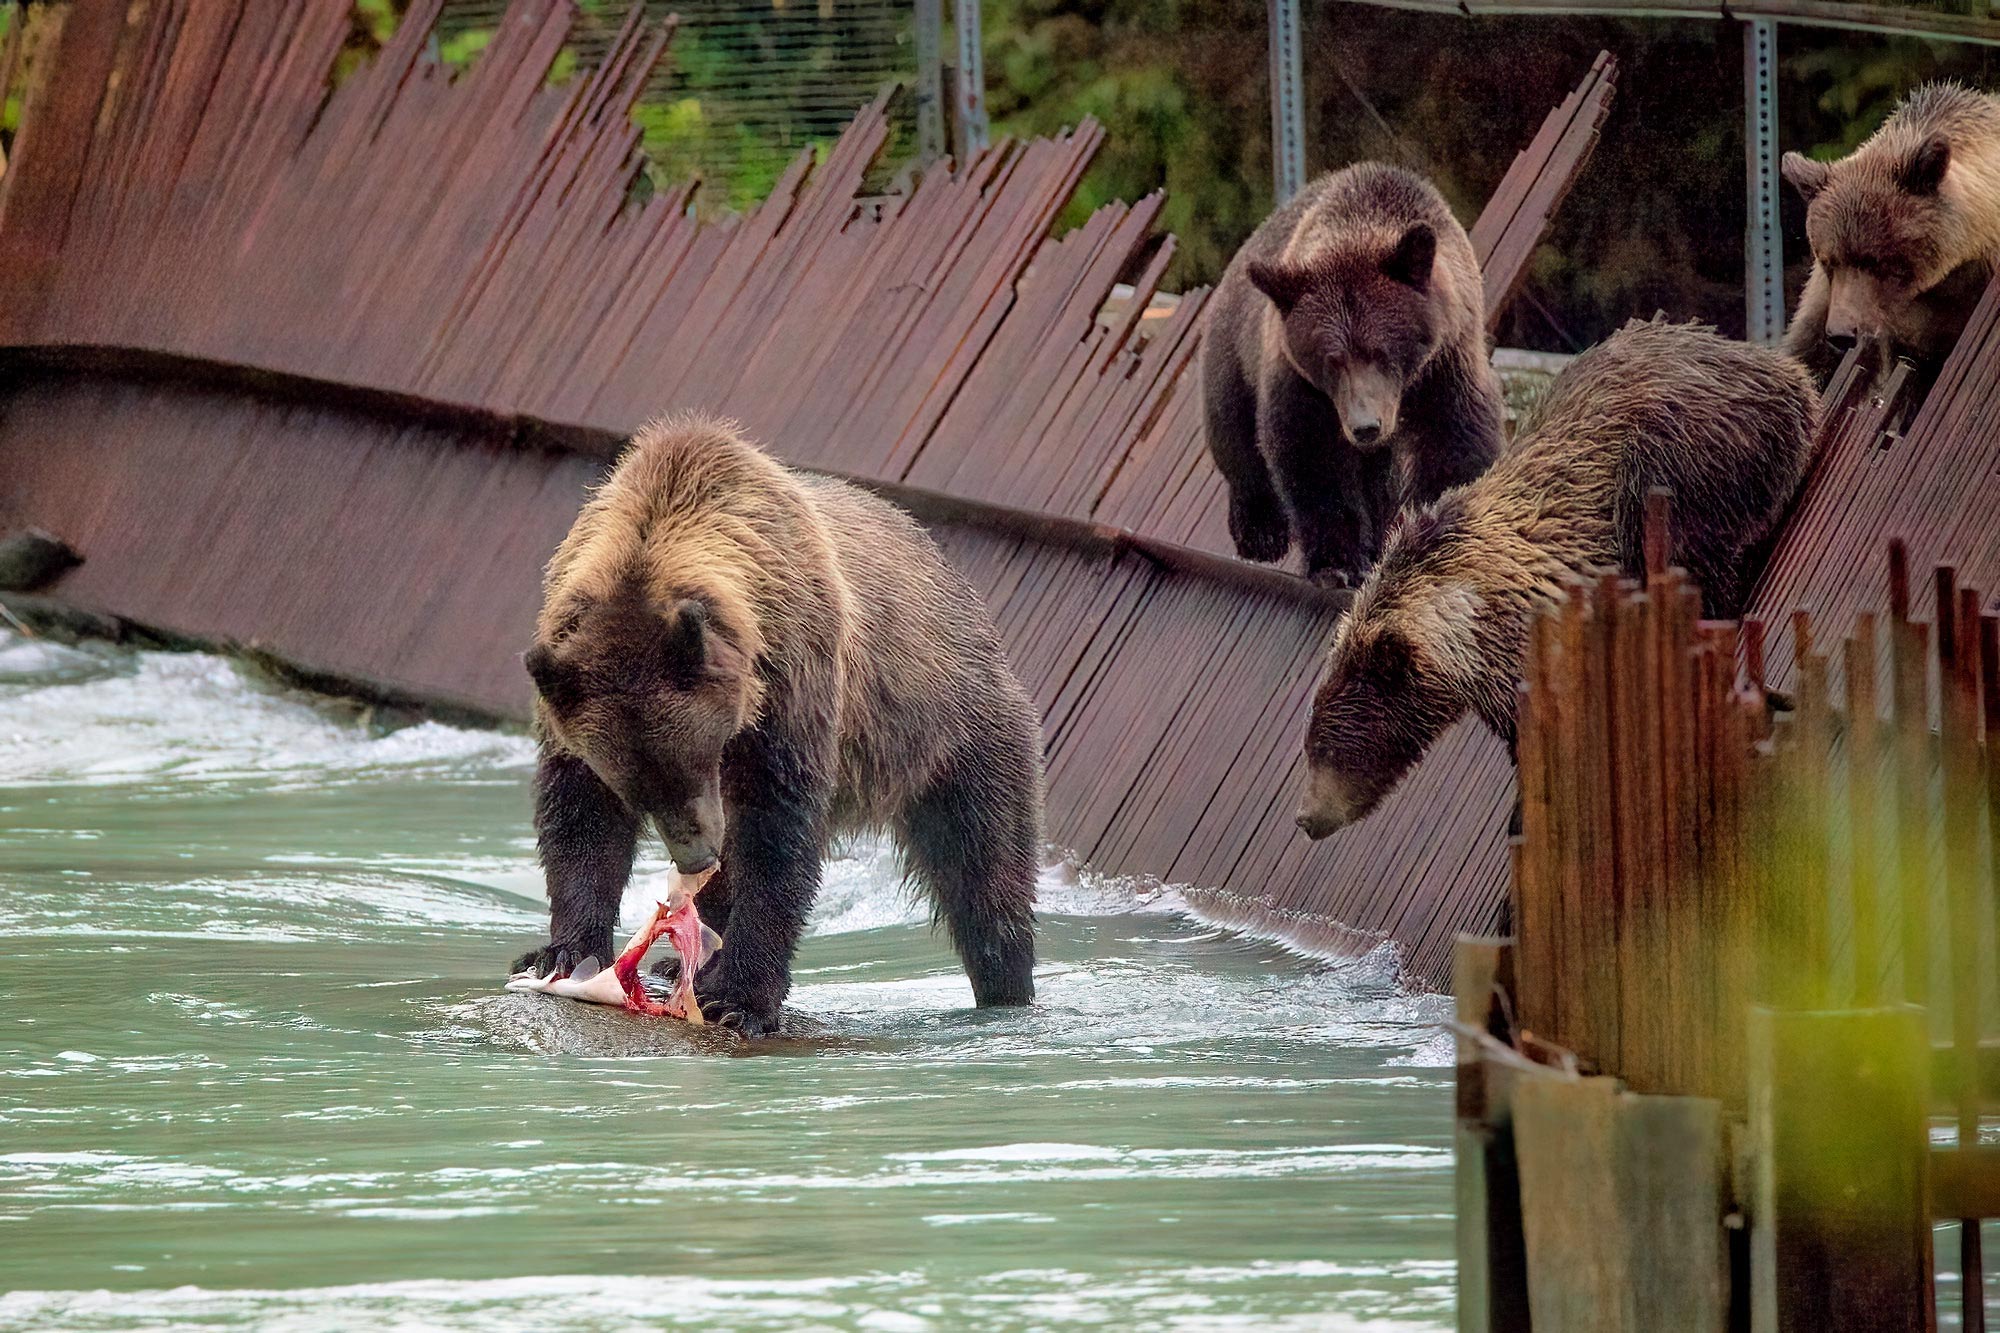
1441, 626
848, 677
1358, 301
1905, 230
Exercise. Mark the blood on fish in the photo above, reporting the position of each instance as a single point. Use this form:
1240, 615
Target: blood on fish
678, 920
680, 923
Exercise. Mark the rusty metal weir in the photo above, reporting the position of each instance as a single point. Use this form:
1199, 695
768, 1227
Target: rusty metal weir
327, 373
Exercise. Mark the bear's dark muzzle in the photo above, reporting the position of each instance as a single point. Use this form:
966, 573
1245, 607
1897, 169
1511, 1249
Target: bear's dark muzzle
1316, 825
691, 858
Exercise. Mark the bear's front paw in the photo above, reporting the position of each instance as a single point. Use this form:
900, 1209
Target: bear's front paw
1336, 576
753, 1011
1259, 528
559, 958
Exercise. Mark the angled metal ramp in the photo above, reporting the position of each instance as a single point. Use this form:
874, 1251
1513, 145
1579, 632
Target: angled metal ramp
327, 375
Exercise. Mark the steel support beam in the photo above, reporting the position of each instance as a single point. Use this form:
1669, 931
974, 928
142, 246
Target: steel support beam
1889, 20
1288, 112
971, 124
930, 81
1764, 242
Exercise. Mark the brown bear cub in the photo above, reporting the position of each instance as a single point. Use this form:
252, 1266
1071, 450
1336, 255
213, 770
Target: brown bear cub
1441, 626
1904, 231
1345, 370
752, 659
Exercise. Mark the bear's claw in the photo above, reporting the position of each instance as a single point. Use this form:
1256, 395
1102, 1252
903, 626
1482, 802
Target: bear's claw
557, 960
742, 1020
1335, 577
559, 970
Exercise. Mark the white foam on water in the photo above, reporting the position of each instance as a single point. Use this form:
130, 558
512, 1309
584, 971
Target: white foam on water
1209, 1297
1014, 1152
278, 908
42, 662
104, 716
137, 1182
100, 716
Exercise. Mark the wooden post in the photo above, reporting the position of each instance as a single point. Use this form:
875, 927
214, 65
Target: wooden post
1840, 1195
1909, 654
1622, 1205
1492, 1266
1811, 949
1964, 804
1864, 759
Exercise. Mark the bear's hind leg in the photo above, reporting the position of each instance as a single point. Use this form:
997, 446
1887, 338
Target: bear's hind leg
971, 840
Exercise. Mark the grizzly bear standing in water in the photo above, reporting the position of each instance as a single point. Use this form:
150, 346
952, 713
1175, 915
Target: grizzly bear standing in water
753, 659
1441, 626
1905, 231
1344, 370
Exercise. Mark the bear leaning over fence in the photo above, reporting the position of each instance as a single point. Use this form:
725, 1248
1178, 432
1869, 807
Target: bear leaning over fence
1345, 369
1904, 231
752, 659
1441, 626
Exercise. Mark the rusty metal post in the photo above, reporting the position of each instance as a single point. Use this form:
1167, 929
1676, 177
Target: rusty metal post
1764, 243
1288, 112
930, 81
970, 123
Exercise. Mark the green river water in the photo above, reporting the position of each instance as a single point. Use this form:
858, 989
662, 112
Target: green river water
256, 1071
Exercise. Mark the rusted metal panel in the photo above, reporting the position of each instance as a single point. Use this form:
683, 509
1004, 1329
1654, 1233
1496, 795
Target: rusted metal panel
438, 303
1517, 216
1934, 486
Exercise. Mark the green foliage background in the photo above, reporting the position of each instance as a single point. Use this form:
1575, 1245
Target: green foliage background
1656, 222
794, 60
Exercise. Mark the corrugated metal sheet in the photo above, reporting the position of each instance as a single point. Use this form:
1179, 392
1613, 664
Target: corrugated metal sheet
1934, 485
412, 243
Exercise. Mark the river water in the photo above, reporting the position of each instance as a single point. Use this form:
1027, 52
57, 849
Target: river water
256, 1071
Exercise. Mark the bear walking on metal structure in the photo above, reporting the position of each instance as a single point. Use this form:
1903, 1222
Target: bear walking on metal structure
1345, 370
1905, 231
753, 659
1441, 627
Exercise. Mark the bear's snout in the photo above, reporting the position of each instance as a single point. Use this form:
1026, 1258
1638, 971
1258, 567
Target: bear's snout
1367, 401
1331, 801
692, 832
692, 858
1317, 824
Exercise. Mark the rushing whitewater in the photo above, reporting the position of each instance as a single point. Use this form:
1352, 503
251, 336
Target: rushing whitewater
256, 1069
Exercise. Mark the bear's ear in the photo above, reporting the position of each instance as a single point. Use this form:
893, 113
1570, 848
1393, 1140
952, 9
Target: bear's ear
1385, 663
1924, 171
1806, 176
1284, 285
1410, 262
687, 636
554, 680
